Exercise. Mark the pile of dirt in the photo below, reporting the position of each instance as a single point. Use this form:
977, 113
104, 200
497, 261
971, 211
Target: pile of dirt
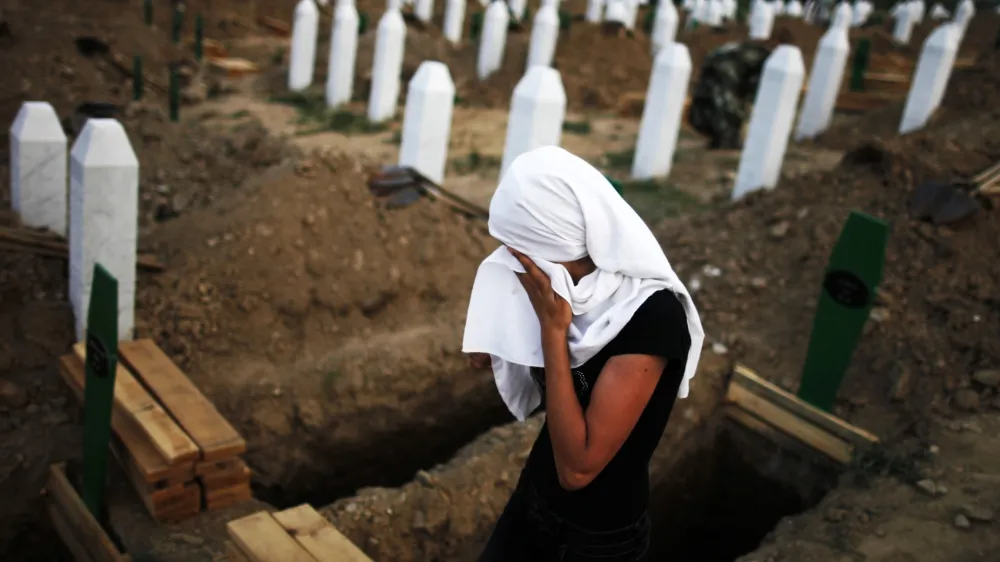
935, 321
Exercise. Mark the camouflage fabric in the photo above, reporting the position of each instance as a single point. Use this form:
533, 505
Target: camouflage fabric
725, 92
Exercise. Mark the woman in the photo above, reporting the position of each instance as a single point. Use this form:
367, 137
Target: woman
579, 308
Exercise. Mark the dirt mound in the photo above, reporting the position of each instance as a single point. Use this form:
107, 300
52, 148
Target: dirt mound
250, 270
935, 320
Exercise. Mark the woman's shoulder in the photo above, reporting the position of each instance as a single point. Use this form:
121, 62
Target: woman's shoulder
662, 309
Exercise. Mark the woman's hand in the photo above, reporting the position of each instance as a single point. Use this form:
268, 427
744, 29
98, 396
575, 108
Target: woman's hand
554, 313
480, 360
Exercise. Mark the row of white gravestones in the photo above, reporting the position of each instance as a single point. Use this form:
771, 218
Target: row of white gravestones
537, 111
102, 205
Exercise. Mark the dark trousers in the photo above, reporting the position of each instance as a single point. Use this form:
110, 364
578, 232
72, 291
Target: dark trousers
529, 532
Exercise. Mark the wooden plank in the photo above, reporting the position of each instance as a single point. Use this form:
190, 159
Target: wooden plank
50, 245
216, 467
318, 536
234, 554
134, 445
84, 527
227, 479
262, 539
166, 436
219, 499
65, 532
214, 436
811, 435
852, 434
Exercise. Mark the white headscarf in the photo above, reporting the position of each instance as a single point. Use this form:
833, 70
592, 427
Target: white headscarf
554, 207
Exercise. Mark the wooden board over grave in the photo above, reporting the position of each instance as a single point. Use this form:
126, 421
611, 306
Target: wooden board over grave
299, 534
780, 415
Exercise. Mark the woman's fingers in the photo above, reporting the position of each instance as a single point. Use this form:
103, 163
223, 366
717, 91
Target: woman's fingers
538, 277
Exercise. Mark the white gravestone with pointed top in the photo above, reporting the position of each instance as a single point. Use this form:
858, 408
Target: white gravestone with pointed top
729, 9
829, 64
430, 99
544, 34
665, 23
103, 218
662, 112
632, 7
616, 11
343, 53
517, 8
793, 9
302, 58
537, 110
902, 29
778, 7
454, 20
387, 65
595, 9
937, 57
494, 39
713, 13
963, 15
842, 15
771, 121
939, 12
761, 21
423, 10
917, 10
38, 167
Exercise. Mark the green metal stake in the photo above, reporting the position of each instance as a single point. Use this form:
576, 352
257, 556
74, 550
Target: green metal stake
148, 11
178, 25
199, 37
860, 65
138, 84
615, 184
98, 394
852, 277
175, 96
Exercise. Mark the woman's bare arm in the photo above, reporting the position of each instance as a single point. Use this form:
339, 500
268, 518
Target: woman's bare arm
584, 442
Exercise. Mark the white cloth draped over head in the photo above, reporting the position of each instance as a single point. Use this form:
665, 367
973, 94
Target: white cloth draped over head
554, 207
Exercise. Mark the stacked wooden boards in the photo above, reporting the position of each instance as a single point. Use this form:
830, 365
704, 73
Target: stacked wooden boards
177, 450
299, 534
782, 417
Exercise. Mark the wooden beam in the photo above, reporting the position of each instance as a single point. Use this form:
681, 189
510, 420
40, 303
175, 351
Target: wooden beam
84, 531
318, 536
166, 436
858, 437
211, 432
134, 447
262, 539
783, 420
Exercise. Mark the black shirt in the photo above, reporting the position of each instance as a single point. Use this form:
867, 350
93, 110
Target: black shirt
619, 494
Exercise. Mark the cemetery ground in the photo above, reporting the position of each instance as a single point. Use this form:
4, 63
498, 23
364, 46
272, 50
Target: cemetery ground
328, 329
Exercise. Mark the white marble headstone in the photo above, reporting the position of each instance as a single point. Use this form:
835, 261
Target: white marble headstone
937, 57
454, 20
517, 8
544, 35
104, 218
343, 54
537, 110
664, 26
423, 10
387, 65
595, 11
761, 21
38, 167
662, 112
771, 121
302, 57
430, 98
829, 64
494, 39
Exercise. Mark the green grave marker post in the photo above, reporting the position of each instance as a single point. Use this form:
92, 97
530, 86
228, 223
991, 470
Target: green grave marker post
852, 276
98, 394
177, 25
147, 9
138, 86
199, 37
860, 65
174, 96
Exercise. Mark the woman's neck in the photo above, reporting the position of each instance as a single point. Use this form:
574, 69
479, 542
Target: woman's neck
578, 269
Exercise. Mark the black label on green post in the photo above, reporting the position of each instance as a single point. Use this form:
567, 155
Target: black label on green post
846, 289
97, 356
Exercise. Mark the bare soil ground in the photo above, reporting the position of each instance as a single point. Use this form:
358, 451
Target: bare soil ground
304, 310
